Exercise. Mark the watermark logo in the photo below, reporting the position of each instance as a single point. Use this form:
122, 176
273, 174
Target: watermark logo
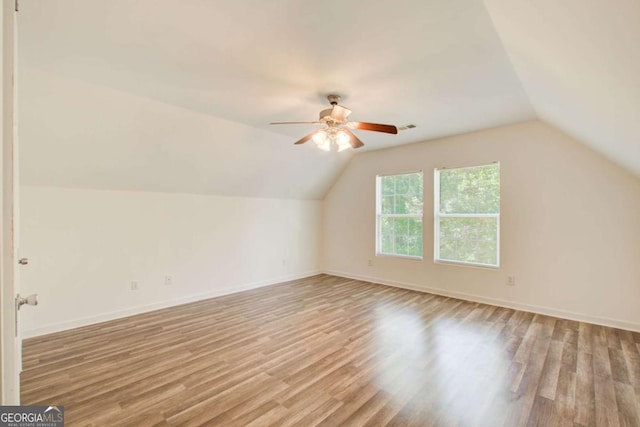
31, 416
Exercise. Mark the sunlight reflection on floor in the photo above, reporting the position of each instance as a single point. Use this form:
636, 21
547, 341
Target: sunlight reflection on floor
461, 367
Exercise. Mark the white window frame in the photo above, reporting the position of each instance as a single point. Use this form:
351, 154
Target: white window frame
379, 216
437, 215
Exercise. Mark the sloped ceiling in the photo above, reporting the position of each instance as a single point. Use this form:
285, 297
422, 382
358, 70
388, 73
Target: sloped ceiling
164, 95
579, 62
78, 134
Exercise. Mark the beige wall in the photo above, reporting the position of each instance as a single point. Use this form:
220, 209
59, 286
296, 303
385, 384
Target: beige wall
86, 246
570, 227
570, 236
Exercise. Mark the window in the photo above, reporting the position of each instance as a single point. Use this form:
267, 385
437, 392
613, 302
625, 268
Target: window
467, 215
399, 215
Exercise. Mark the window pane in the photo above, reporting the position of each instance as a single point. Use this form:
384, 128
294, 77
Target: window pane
387, 244
414, 181
388, 185
400, 205
470, 190
472, 240
401, 236
402, 184
387, 204
414, 233
400, 226
400, 195
408, 204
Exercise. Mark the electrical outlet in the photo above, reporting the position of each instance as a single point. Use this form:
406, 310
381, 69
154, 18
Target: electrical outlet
511, 280
168, 280
134, 285
370, 263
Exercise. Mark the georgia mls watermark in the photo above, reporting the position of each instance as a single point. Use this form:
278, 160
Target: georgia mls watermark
31, 416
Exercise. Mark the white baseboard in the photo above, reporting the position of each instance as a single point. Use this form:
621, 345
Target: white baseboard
563, 314
104, 317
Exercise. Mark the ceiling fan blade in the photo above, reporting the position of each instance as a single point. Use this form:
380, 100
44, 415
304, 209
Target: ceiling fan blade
374, 127
305, 138
339, 113
296, 123
353, 139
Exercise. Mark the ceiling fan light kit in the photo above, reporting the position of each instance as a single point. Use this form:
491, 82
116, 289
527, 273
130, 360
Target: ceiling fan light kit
337, 130
324, 138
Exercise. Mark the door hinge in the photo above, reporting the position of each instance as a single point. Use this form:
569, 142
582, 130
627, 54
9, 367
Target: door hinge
16, 3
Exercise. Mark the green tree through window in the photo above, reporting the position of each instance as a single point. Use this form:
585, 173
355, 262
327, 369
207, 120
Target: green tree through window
467, 215
399, 214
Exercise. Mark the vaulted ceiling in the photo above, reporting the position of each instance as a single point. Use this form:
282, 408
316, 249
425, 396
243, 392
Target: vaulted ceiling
579, 62
161, 95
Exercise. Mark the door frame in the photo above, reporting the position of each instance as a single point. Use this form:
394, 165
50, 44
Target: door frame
10, 345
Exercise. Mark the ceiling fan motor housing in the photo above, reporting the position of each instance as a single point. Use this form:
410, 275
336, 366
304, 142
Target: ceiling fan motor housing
325, 114
333, 99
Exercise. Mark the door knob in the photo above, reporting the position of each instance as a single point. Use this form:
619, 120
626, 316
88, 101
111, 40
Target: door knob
30, 300
23, 261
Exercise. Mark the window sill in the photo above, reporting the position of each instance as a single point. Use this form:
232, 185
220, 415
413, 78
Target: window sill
409, 257
467, 264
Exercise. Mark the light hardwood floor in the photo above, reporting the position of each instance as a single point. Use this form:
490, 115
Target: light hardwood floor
332, 351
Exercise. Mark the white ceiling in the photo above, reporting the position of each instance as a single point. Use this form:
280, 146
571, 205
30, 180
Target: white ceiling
162, 95
77, 134
579, 61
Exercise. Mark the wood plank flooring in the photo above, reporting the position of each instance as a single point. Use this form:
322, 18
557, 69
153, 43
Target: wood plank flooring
331, 351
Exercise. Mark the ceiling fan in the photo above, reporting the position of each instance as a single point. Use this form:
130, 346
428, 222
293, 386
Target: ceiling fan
337, 128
